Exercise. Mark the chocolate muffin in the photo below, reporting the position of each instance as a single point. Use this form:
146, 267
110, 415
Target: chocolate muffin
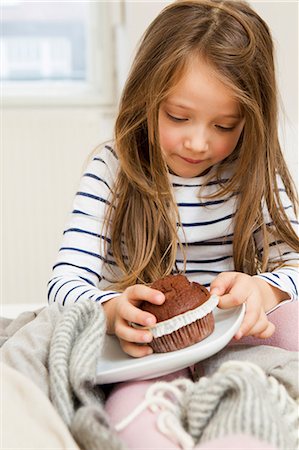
185, 317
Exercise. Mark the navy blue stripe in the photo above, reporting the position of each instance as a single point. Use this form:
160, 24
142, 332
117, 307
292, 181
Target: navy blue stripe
275, 243
270, 279
87, 281
78, 267
64, 300
100, 160
199, 271
210, 183
77, 211
210, 222
80, 230
96, 255
102, 296
275, 275
207, 243
50, 290
92, 175
202, 204
93, 197
289, 253
69, 281
270, 224
66, 296
112, 151
88, 290
54, 278
295, 287
204, 261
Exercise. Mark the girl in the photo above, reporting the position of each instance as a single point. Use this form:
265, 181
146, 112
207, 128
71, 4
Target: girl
194, 182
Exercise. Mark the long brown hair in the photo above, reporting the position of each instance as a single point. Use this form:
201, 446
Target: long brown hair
143, 215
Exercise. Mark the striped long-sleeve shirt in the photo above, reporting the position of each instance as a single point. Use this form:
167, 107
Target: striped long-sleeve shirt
85, 267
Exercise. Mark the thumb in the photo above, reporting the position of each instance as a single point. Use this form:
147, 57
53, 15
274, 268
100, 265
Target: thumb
222, 283
217, 290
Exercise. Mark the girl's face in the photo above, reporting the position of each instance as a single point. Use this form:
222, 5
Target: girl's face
199, 122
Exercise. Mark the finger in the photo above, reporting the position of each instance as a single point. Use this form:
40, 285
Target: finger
262, 327
139, 292
127, 333
132, 313
222, 283
240, 292
233, 288
252, 316
230, 300
256, 326
267, 332
137, 351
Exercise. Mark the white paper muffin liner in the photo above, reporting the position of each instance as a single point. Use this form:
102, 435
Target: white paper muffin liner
185, 336
175, 323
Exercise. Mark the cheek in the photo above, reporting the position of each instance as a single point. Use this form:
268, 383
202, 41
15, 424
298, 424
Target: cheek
225, 147
167, 139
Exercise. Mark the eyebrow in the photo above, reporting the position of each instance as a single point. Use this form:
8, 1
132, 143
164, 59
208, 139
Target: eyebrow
222, 116
230, 116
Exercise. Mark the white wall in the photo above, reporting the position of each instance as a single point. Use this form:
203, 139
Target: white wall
44, 149
282, 16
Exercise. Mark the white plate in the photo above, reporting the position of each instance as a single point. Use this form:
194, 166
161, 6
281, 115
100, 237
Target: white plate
115, 366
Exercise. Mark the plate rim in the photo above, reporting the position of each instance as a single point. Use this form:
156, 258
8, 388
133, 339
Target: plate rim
148, 361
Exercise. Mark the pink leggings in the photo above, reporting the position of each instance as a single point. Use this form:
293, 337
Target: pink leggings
142, 433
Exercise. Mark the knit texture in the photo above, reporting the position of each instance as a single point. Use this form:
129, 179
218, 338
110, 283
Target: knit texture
241, 398
61, 348
237, 399
76, 345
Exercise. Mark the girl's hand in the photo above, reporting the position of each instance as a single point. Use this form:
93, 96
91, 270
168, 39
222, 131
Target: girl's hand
122, 310
235, 288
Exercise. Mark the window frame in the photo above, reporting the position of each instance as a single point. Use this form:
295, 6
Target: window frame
100, 86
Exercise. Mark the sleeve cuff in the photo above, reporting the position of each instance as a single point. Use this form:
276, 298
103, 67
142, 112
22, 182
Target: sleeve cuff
282, 286
107, 296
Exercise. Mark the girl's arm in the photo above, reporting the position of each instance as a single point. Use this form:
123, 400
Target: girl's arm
264, 292
79, 269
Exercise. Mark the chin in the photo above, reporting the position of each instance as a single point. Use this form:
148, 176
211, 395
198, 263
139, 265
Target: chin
189, 173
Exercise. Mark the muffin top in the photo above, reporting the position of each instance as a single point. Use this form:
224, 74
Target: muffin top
180, 296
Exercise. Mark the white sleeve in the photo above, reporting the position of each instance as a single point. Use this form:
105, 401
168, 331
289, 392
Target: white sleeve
78, 270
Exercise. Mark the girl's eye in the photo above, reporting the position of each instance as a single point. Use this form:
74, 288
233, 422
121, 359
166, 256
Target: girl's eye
176, 119
221, 128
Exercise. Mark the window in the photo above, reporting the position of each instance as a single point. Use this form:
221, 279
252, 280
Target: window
57, 51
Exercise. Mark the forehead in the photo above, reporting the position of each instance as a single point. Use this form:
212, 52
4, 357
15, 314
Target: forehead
201, 85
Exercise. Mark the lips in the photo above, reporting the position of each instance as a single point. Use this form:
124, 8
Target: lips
192, 161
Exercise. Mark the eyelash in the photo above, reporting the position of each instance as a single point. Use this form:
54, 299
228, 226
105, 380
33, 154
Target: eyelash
225, 129
219, 127
175, 119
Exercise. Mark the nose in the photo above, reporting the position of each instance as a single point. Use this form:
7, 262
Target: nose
197, 140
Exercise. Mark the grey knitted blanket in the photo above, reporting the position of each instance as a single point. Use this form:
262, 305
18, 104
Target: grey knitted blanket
59, 348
